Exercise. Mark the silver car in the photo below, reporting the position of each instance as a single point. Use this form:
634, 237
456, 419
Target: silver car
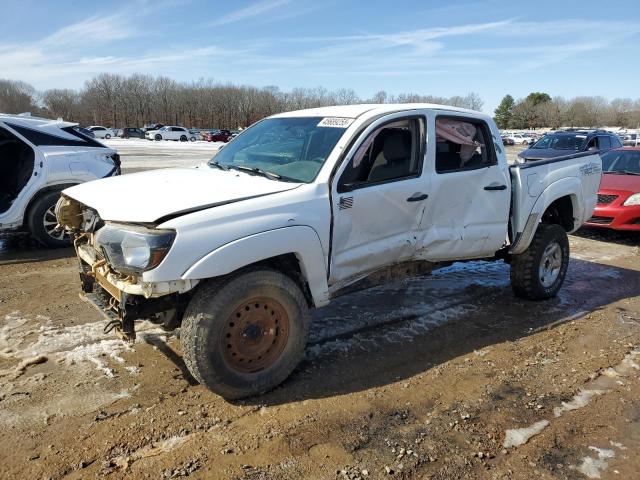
38, 159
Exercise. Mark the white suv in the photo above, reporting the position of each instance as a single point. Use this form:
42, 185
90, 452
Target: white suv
38, 159
171, 133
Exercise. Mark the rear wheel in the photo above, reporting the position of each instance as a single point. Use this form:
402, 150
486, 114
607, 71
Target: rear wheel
183, 138
42, 222
246, 335
538, 272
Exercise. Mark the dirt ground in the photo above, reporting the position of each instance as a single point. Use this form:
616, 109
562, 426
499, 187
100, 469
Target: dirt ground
445, 376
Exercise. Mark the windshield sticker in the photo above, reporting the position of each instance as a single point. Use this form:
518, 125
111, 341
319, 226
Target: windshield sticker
337, 122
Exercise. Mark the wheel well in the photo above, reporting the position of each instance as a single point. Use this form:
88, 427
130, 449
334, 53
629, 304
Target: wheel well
40, 193
290, 266
560, 212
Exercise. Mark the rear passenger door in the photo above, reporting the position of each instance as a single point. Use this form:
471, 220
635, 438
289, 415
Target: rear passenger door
470, 192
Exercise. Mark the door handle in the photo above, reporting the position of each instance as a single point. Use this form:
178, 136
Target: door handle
416, 197
495, 187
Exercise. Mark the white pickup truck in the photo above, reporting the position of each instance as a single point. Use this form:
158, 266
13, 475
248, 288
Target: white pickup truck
305, 206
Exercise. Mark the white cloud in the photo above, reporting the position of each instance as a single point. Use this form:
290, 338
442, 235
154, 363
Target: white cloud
253, 10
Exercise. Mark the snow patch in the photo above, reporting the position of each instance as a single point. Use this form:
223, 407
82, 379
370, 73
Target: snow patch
581, 399
520, 436
592, 467
151, 450
71, 345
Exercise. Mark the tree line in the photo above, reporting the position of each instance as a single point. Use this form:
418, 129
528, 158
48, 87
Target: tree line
118, 101
539, 110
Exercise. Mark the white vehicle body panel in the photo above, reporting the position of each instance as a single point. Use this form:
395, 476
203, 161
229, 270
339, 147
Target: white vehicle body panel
55, 166
539, 185
197, 187
225, 220
463, 220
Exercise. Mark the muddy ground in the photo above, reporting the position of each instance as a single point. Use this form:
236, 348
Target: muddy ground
439, 377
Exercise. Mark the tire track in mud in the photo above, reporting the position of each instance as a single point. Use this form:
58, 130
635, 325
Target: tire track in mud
404, 311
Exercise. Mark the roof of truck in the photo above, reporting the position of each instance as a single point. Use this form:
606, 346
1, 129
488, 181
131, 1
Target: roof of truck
355, 111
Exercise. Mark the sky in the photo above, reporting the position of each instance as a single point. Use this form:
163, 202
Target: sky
492, 47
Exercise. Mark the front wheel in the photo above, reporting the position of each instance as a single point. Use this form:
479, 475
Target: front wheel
538, 272
42, 222
158, 137
244, 336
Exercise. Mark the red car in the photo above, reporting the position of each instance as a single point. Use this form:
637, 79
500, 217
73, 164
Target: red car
219, 136
618, 204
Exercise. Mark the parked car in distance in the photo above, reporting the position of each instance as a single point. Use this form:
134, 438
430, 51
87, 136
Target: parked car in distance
152, 126
131, 132
521, 138
618, 204
631, 140
101, 132
566, 142
170, 133
219, 136
507, 141
38, 159
306, 206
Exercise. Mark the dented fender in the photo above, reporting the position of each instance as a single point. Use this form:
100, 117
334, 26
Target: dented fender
302, 241
568, 186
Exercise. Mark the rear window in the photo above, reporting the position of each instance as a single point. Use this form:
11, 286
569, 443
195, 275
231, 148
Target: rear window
561, 142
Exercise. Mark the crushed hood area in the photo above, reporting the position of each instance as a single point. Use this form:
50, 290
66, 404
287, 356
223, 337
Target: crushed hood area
148, 196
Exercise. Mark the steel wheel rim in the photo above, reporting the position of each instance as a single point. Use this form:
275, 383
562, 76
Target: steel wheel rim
550, 264
255, 335
50, 224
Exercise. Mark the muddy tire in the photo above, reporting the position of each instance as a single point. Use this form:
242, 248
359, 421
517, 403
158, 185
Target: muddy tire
41, 222
244, 335
538, 272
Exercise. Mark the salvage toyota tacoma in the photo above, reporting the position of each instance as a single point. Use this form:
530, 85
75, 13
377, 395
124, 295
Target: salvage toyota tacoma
305, 206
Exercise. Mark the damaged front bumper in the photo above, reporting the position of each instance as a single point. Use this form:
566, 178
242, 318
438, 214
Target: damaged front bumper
122, 299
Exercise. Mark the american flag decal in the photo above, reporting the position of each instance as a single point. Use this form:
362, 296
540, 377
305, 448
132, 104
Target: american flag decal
345, 202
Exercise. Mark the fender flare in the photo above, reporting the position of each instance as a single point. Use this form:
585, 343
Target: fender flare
302, 241
568, 186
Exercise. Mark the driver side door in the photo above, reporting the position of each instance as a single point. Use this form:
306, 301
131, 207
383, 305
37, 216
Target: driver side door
378, 199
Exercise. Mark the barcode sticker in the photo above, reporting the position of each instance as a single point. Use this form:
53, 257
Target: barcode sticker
338, 122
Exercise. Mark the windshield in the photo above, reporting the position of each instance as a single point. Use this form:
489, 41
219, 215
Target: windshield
561, 142
294, 148
621, 161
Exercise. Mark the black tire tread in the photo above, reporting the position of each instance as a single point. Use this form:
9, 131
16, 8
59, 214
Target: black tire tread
218, 292
34, 220
524, 266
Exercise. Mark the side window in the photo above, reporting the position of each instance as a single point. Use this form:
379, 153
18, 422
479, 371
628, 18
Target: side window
604, 143
592, 145
463, 144
392, 152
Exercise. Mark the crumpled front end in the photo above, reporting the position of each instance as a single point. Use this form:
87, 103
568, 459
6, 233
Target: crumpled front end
113, 286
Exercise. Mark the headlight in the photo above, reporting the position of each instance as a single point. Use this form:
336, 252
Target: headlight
632, 200
132, 250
